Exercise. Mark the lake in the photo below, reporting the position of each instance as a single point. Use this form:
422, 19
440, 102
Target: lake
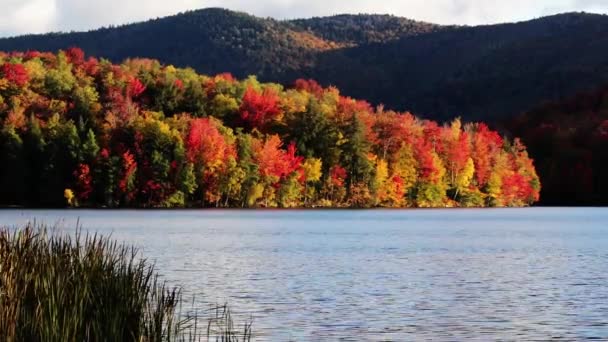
479, 274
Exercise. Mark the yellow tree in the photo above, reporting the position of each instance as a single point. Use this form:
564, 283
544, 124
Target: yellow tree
311, 169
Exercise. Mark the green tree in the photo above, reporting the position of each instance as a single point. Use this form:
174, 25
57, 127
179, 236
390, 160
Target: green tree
355, 154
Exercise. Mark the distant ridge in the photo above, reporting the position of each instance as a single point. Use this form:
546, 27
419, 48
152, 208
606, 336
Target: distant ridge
485, 72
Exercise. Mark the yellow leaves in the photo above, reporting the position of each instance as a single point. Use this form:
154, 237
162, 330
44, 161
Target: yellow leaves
294, 101
36, 71
58, 106
312, 169
455, 128
494, 188
439, 168
223, 105
381, 173
255, 193
464, 178
380, 181
405, 166
3, 84
149, 122
68, 194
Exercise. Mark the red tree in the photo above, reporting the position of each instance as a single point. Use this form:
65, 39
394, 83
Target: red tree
83, 182
485, 145
75, 55
310, 86
259, 109
15, 74
337, 175
205, 144
273, 161
135, 87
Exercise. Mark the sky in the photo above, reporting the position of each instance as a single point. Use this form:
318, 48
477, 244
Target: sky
40, 16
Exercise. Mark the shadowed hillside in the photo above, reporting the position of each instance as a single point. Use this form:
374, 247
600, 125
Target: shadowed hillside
484, 72
569, 140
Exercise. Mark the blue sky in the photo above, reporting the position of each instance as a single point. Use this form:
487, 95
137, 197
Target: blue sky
37, 16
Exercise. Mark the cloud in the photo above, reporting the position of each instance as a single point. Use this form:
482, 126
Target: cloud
36, 16
24, 16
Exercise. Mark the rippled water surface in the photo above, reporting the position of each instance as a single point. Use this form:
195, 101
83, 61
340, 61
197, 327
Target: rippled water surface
513, 274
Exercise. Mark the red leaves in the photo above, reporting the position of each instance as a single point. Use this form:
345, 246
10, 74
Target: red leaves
394, 130
104, 153
205, 144
457, 152
15, 74
310, 86
135, 87
515, 187
84, 181
91, 66
259, 109
485, 144
337, 175
32, 54
293, 161
428, 169
75, 55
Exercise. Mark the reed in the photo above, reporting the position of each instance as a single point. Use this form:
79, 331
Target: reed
61, 287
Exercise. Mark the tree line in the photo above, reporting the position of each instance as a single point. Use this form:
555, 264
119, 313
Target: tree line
85, 132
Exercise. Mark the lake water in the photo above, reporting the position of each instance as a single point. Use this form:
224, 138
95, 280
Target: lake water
508, 274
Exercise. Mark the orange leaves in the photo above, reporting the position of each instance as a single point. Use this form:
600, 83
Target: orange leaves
515, 189
485, 143
273, 161
206, 145
129, 166
210, 153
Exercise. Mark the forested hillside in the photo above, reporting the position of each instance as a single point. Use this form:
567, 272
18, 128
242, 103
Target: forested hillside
569, 140
362, 29
481, 73
85, 132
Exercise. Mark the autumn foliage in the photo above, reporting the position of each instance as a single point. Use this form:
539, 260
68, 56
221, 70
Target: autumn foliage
142, 134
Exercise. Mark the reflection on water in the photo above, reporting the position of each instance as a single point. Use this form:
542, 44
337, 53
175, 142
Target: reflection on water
515, 274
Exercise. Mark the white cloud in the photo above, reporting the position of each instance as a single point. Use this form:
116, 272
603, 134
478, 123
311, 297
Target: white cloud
26, 16
35, 16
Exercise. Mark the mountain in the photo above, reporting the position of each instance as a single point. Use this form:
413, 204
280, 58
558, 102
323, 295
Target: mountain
484, 72
217, 40
361, 29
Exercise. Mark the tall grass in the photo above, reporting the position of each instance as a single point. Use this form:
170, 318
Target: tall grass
57, 287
